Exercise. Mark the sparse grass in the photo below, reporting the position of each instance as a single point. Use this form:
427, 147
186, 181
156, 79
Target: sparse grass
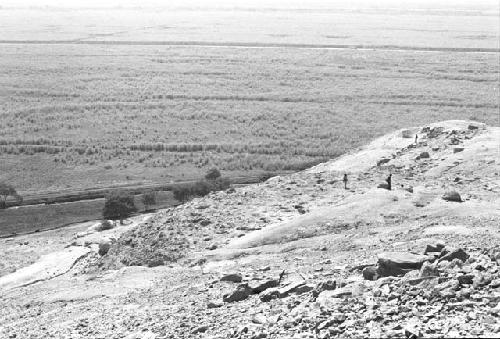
79, 121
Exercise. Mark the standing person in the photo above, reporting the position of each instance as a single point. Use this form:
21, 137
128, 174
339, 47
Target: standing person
345, 180
416, 139
389, 181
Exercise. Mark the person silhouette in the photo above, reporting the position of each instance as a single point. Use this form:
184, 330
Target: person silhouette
416, 139
345, 180
389, 181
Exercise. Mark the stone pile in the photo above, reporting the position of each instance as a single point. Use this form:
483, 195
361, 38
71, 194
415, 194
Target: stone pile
441, 292
444, 292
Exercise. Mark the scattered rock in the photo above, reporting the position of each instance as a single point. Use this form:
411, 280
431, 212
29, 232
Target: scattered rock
482, 280
435, 132
412, 333
269, 294
259, 319
214, 304
437, 247
398, 263
242, 292
333, 320
304, 288
261, 286
428, 270
337, 293
457, 149
417, 281
295, 287
446, 292
383, 161
328, 285
423, 155
495, 283
200, 329
452, 254
465, 279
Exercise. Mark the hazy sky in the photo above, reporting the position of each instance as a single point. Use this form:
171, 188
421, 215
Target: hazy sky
458, 4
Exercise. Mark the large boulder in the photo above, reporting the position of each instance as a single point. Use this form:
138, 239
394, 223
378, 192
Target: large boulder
452, 196
399, 263
232, 277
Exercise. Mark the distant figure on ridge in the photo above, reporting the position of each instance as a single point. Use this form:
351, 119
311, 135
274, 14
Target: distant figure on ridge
389, 181
345, 180
416, 139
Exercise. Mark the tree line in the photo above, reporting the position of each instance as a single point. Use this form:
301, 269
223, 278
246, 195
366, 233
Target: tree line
120, 205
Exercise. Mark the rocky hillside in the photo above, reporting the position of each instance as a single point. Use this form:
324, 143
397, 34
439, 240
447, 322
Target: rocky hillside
301, 256
449, 156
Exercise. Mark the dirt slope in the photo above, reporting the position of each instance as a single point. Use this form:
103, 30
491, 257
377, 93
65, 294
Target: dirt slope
353, 260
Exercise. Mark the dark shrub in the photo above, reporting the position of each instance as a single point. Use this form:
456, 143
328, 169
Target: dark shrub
118, 206
213, 174
220, 184
7, 190
182, 192
149, 199
104, 248
200, 188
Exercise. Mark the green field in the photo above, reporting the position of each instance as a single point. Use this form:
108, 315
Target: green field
89, 116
